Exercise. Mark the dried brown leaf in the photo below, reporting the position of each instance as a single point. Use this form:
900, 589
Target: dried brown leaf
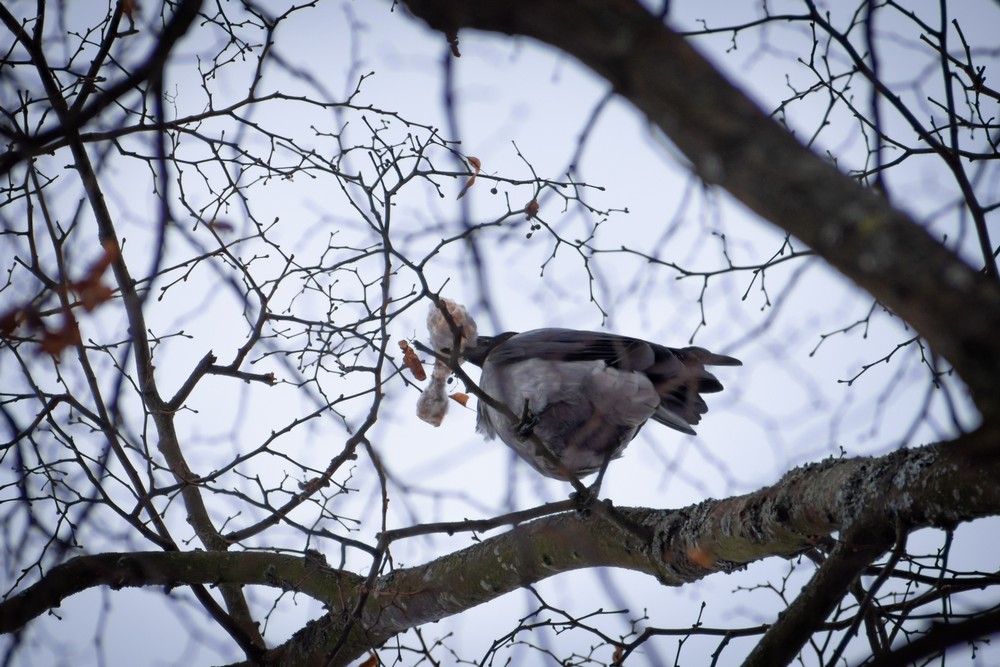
89, 289
411, 361
222, 226
9, 322
129, 8
476, 167
702, 557
54, 342
92, 293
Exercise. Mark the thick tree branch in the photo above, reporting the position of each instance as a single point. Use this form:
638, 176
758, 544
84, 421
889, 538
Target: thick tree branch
867, 498
785, 638
939, 638
732, 143
156, 568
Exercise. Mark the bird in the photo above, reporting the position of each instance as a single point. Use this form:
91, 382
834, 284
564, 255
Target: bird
570, 401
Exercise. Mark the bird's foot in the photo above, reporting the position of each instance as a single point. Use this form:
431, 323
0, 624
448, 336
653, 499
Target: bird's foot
526, 426
586, 499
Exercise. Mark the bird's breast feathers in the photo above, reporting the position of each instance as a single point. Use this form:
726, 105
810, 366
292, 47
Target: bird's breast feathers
625, 397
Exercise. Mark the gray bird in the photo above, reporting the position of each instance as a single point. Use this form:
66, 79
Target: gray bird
584, 395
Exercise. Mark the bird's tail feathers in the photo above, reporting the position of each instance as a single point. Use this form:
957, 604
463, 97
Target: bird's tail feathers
668, 417
709, 358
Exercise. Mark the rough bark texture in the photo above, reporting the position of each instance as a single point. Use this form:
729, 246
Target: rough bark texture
867, 498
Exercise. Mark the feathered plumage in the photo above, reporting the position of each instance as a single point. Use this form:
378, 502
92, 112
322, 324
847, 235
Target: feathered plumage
585, 394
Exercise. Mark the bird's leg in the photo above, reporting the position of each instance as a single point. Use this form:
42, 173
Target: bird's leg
527, 424
595, 488
586, 499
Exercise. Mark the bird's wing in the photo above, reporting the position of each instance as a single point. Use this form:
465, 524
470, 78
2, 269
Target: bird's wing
619, 352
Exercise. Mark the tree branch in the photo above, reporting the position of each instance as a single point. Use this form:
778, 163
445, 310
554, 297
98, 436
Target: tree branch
939, 638
865, 498
158, 568
786, 637
868, 499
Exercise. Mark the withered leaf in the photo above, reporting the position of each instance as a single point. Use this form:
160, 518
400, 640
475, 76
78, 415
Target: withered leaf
702, 557
221, 226
129, 8
476, 166
411, 361
54, 342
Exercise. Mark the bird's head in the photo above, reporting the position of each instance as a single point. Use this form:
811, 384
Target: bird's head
484, 345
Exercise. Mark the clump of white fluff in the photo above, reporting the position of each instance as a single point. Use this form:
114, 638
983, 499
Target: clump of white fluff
433, 403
